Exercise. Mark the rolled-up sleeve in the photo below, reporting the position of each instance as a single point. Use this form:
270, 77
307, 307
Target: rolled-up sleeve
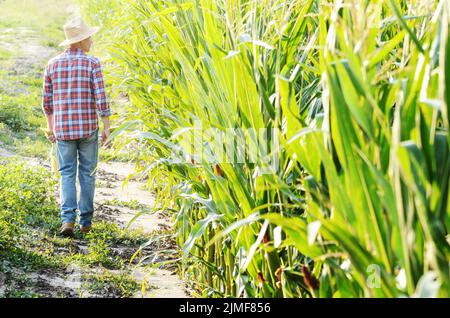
47, 93
98, 85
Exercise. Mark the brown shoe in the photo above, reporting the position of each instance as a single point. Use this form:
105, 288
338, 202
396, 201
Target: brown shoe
67, 229
85, 229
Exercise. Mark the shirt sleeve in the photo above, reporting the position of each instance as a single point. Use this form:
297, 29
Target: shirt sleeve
47, 93
101, 100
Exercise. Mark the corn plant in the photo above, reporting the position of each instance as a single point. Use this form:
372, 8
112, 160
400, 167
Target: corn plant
378, 175
356, 94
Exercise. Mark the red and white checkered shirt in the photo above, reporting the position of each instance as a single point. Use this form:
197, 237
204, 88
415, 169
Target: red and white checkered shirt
74, 92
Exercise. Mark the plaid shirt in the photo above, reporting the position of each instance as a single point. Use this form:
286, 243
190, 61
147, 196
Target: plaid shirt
74, 93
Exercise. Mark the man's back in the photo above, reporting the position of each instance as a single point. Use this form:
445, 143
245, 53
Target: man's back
74, 93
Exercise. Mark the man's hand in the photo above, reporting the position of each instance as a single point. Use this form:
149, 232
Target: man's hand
105, 132
105, 135
50, 136
49, 131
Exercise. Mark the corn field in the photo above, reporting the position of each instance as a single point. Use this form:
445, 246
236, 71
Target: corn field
355, 96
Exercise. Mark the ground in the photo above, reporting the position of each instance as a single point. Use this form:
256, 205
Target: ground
130, 252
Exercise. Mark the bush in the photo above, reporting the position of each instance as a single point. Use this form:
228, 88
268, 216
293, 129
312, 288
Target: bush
26, 196
8, 230
15, 111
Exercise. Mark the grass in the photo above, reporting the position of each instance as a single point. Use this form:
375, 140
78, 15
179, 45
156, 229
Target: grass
29, 239
12, 293
16, 113
29, 216
21, 117
111, 285
132, 204
29, 261
47, 15
5, 54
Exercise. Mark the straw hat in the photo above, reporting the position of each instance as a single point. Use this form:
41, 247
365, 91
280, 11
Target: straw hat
76, 30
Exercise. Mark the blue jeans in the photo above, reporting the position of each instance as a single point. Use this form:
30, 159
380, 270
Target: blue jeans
83, 152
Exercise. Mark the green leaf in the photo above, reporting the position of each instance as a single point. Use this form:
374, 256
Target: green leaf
405, 26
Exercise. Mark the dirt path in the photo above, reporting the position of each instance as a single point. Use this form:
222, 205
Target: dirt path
115, 204
111, 175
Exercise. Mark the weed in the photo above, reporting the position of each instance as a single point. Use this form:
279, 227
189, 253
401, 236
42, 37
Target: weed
111, 285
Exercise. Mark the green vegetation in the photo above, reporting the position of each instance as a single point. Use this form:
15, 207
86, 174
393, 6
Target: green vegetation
34, 260
15, 115
47, 18
21, 117
111, 285
132, 204
27, 37
358, 94
29, 234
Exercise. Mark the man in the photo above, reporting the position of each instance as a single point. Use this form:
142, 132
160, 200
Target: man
73, 95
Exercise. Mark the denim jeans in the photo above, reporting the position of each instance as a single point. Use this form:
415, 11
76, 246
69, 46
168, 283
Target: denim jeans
84, 153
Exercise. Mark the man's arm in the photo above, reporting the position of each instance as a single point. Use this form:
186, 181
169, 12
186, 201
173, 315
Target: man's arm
47, 104
49, 122
106, 127
101, 99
